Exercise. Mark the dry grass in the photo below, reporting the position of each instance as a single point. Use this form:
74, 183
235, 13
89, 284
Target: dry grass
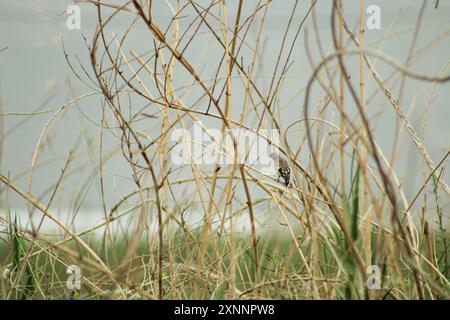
346, 208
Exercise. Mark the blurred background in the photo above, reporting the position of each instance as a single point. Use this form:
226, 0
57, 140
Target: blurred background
35, 77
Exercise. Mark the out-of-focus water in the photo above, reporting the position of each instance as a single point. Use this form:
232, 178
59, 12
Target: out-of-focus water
34, 74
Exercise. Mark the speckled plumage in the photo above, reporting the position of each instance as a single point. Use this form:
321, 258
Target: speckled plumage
282, 168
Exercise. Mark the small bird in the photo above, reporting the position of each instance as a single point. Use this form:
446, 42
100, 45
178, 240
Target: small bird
283, 169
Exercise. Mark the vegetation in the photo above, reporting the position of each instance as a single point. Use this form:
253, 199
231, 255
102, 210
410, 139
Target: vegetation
229, 231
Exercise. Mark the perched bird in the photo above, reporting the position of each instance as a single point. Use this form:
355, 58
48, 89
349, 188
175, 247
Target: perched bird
282, 168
